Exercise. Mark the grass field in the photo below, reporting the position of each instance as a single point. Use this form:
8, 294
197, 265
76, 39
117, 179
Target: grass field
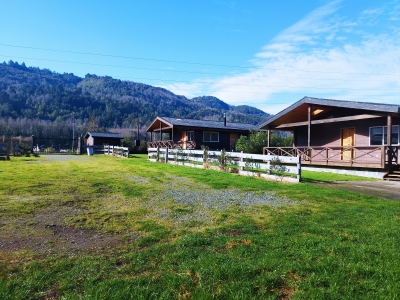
100, 227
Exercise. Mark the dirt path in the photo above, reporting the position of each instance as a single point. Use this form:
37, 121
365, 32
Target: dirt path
384, 189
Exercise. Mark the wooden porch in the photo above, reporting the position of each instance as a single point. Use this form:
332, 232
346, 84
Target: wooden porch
170, 144
349, 156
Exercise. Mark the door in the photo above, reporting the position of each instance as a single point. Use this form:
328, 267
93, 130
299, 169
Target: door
233, 140
184, 139
347, 143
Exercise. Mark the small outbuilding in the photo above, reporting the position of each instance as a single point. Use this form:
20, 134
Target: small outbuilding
103, 138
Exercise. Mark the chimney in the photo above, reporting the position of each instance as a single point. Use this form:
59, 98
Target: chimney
224, 119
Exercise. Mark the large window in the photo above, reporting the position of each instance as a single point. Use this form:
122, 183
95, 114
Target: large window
378, 135
210, 136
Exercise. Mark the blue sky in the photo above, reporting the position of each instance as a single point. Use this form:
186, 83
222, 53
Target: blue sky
266, 54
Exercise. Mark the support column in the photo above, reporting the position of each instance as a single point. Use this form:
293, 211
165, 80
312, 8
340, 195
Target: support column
309, 126
269, 138
389, 141
160, 131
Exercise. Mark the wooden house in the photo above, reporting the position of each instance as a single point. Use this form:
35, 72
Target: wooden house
340, 133
192, 134
103, 138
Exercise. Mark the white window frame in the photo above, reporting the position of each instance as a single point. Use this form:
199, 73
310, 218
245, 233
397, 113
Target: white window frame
211, 133
384, 135
190, 136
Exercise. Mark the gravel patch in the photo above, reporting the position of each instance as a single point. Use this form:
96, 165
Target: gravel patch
65, 157
183, 200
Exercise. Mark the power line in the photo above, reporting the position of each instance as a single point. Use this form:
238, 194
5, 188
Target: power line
184, 62
234, 84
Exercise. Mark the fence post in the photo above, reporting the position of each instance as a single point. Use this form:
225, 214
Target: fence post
299, 167
241, 160
158, 153
166, 155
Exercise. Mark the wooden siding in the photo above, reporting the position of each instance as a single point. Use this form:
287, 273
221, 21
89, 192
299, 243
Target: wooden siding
329, 135
224, 137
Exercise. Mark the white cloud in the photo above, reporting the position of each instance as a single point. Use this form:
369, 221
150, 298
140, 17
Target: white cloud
324, 55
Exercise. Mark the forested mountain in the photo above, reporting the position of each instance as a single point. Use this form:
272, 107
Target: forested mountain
29, 93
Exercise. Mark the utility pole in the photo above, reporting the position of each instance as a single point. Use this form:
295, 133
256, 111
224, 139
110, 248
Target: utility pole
138, 138
73, 131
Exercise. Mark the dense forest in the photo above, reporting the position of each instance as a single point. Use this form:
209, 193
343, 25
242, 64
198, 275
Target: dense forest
45, 103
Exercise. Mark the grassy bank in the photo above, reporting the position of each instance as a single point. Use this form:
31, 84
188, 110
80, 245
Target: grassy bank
106, 228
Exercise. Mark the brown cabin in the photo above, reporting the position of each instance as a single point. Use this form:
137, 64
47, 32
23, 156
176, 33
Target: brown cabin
192, 134
340, 133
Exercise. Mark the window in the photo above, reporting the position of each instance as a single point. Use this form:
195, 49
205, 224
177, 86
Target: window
190, 136
378, 135
209, 136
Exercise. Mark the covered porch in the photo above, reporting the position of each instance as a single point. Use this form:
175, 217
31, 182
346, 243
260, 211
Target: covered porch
339, 133
162, 136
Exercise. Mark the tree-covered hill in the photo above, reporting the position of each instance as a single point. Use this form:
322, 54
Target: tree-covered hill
33, 93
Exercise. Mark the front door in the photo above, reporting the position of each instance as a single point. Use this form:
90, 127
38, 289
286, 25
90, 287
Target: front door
347, 143
233, 139
184, 138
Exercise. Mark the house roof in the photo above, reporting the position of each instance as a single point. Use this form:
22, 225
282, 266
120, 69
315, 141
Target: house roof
171, 122
297, 111
104, 135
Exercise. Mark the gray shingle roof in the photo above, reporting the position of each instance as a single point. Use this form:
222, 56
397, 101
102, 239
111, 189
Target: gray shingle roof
380, 107
208, 124
105, 135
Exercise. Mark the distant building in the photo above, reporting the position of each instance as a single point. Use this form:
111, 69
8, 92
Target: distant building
103, 138
192, 134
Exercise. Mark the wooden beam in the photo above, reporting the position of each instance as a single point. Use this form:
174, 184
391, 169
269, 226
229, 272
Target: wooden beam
309, 125
389, 130
162, 129
389, 141
332, 120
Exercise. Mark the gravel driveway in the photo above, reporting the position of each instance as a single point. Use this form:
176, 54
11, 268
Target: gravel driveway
381, 188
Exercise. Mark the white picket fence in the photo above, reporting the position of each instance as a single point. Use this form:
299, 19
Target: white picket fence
247, 164
116, 151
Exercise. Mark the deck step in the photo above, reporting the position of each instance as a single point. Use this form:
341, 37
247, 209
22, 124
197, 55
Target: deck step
391, 179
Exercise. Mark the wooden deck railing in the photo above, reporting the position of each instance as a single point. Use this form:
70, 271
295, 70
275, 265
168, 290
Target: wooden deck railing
171, 144
366, 156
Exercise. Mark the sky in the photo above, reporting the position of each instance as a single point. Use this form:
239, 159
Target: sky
267, 54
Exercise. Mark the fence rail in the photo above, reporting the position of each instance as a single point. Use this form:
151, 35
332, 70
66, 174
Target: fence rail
356, 156
116, 151
245, 163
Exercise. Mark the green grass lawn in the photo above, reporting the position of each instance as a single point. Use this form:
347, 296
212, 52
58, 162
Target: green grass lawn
100, 227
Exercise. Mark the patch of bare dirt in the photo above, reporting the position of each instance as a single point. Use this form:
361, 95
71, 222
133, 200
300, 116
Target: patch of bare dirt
384, 189
47, 232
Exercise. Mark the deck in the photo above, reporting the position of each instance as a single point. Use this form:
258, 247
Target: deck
350, 156
171, 144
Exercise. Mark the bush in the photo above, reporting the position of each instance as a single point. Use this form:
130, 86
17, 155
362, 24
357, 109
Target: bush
24, 150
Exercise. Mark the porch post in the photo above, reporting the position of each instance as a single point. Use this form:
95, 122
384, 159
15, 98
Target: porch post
172, 134
160, 131
269, 138
389, 141
309, 126
151, 136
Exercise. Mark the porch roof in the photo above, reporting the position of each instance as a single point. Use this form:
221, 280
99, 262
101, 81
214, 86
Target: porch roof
104, 135
168, 123
327, 109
